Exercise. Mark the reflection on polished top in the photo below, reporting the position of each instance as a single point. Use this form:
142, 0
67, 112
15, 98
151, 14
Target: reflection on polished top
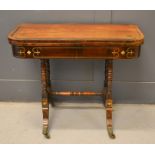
79, 32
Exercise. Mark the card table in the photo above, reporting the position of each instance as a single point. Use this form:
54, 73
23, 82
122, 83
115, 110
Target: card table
76, 41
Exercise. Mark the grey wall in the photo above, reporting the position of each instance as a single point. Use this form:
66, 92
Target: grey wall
134, 80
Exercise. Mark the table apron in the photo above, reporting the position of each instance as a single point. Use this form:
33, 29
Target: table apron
107, 52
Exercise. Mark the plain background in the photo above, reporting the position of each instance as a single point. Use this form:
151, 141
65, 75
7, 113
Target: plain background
134, 80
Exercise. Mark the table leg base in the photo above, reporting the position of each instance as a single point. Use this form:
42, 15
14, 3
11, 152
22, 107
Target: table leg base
110, 132
46, 91
45, 132
109, 123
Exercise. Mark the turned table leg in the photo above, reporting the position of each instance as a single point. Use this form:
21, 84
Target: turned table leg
45, 98
49, 89
105, 82
108, 96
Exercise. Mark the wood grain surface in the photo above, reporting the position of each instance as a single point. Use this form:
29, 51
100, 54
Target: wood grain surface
76, 32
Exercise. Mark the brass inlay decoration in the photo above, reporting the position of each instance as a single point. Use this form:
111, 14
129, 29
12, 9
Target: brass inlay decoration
36, 51
28, 52
130, 53
22, 51
123, 52
115, 52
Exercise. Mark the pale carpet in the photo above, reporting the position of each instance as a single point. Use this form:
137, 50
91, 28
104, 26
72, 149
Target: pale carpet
76, 123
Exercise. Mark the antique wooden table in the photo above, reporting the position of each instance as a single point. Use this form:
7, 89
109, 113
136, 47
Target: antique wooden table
76, 41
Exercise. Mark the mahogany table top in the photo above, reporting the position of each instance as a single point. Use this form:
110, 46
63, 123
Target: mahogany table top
76, 32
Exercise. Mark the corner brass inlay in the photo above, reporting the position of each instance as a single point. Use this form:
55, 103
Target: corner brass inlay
115, 52
21, 51
36, 51
130, 53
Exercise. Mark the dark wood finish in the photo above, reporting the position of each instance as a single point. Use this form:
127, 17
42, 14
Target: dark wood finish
49, 82
108, 52
45, 96
76, 41
108, 96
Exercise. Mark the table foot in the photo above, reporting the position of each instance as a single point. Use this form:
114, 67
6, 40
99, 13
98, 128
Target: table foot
110, 132
45, 132
109, 122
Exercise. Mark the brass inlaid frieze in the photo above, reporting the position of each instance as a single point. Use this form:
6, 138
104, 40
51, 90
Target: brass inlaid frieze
34, 52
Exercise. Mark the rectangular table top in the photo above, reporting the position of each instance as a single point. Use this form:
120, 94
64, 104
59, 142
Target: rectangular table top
76, 32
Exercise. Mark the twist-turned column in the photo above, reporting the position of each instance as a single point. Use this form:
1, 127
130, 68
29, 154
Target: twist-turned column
105, 81
108, 96
49, 89
45, 99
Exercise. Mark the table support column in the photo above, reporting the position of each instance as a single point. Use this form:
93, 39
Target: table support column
49, 89
45, 97
108, 96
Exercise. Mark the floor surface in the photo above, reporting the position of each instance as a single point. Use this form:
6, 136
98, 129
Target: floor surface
76, 123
